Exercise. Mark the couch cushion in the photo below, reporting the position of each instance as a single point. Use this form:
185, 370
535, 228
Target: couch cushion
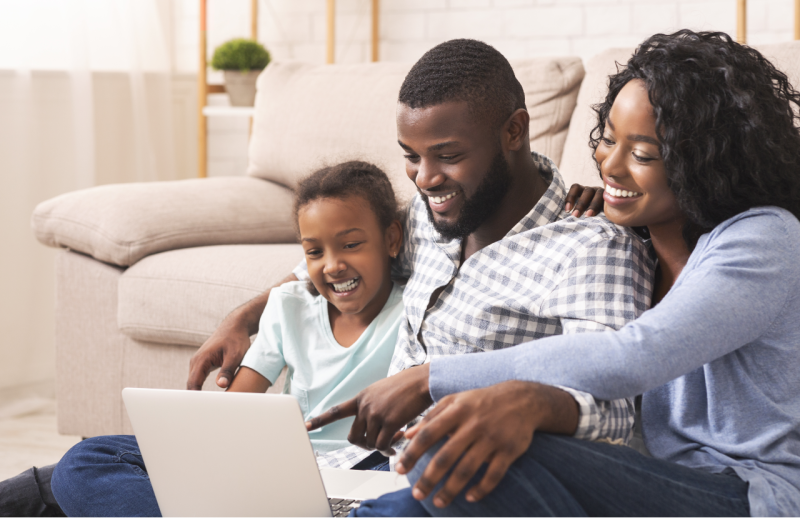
120, 224
181, 296
577, 164
311, 115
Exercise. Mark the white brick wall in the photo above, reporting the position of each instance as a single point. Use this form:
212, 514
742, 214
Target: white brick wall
296, 29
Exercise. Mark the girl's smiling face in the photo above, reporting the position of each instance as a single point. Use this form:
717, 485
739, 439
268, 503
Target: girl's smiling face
636, 190
348, 253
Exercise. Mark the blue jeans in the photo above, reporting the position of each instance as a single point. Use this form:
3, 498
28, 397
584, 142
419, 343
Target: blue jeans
106, 476
562, 476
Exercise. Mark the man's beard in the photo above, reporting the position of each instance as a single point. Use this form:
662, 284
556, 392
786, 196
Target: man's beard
480, 206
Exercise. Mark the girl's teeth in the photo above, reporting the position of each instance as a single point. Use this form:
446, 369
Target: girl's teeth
346, 286
620, 193
442, 199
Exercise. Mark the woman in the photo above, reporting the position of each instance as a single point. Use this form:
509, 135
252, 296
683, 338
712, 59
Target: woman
697, 141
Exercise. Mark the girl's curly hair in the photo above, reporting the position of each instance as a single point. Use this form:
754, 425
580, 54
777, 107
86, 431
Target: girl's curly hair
727, 122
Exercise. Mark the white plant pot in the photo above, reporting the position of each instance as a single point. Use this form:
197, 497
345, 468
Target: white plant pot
241, 87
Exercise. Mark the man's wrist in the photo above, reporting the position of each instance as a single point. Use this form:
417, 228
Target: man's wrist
423, 372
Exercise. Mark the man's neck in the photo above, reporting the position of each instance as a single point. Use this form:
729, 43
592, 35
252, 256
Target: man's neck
526, 190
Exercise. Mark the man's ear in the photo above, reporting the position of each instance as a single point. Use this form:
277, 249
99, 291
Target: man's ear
515, 130
394, 238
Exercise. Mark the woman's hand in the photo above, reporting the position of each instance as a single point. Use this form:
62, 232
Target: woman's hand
493, 425
582, 199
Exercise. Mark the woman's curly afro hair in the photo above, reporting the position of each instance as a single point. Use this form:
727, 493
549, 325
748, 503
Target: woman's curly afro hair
726, 119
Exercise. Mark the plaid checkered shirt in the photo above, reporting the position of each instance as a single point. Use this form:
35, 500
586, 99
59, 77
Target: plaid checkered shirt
551, 274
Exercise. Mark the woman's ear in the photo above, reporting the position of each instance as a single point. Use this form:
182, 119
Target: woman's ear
394, 238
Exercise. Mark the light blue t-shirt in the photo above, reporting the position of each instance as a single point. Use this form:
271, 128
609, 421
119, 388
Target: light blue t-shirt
295, 330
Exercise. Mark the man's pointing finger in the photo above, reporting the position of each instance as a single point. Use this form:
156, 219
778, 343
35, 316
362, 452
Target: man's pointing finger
347, 409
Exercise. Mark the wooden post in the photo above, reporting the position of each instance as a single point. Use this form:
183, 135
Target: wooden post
376, 28
741, 21
331, 46
797, 19
202, 89
254, 20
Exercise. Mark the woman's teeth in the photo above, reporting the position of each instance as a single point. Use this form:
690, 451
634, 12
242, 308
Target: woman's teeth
346, 286
620, 193
442, 199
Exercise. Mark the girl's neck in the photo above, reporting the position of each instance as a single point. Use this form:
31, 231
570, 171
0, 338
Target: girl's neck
348, 328
672, 253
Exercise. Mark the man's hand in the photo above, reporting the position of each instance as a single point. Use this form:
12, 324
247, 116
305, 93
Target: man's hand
382, 409
493, 425
225, 349
229, 343
582, 199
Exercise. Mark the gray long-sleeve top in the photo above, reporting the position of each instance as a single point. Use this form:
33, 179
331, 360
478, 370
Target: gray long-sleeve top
718, 361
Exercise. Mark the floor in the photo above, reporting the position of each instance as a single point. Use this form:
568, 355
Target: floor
28, 436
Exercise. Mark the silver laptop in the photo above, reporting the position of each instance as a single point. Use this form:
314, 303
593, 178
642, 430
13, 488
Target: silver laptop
237, 454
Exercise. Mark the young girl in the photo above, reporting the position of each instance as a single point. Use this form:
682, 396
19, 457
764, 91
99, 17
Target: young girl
337, 332
336, 335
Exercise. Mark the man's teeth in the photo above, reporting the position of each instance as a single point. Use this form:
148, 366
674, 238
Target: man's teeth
442, 199
347, 285
621, 193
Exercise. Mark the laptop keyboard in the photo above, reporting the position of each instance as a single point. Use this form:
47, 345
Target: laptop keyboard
341, 506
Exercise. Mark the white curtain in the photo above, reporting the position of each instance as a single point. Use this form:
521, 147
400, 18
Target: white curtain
86, 97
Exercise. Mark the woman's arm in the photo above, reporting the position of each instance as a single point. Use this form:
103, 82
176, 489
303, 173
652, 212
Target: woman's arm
735, 284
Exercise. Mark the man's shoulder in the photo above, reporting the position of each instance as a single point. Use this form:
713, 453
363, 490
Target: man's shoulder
591, 231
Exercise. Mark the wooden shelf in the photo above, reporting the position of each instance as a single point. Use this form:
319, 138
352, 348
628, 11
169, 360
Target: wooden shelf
228, 111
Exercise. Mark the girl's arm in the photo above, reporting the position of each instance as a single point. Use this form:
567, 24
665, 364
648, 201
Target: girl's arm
248, 380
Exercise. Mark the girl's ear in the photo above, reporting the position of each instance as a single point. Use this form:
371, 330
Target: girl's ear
394, 238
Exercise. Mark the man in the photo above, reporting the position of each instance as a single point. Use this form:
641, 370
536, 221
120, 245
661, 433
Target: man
490, 260
490, 256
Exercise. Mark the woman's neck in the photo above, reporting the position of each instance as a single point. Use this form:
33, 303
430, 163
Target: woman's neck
672, 253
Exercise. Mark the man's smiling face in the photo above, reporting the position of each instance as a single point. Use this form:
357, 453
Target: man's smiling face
457, 164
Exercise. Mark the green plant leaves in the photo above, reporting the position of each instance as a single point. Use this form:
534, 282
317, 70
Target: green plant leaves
240, 54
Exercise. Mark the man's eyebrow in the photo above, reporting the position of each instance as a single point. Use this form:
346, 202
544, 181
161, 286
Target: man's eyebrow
435, 147
643, 138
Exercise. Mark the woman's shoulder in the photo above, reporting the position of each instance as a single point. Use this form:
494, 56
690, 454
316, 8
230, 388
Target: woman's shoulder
762, 230
772, 221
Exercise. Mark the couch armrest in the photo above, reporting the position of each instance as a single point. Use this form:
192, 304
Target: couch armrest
120, 224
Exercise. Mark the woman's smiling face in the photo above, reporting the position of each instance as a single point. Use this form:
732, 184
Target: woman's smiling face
636, 190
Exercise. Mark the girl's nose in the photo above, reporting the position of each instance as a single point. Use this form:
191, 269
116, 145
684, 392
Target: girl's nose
334, 265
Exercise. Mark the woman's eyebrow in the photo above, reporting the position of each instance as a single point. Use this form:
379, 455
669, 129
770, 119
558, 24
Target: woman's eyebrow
643, 138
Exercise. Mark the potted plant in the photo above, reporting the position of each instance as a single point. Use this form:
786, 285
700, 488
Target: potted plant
241, 60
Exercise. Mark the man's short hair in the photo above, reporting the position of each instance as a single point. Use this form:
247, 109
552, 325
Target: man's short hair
465, 70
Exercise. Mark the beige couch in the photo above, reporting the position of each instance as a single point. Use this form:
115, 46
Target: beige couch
149, 270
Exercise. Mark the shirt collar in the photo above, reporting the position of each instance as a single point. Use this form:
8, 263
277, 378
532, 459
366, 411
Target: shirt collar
548, 209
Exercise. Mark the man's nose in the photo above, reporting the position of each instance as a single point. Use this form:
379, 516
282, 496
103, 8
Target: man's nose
429, 176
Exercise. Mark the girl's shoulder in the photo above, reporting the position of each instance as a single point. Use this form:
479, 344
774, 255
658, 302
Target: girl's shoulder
296, 291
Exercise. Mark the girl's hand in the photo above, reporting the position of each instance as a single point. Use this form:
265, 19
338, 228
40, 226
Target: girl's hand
580, 197
493, 426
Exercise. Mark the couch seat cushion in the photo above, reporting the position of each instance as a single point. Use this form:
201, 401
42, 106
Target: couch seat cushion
181, 296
